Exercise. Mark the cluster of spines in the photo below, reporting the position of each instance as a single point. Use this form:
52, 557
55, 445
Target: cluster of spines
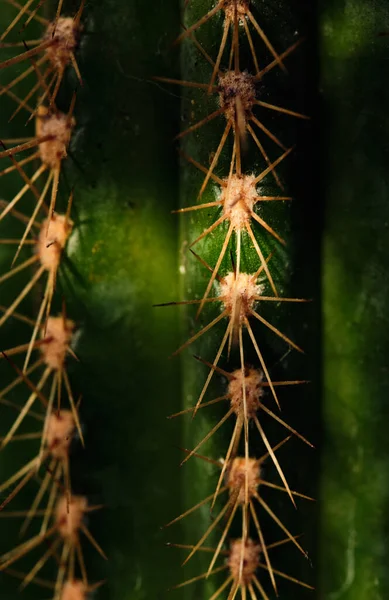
48, 396
239, 294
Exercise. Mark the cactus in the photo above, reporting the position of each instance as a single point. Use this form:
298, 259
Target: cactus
242, 259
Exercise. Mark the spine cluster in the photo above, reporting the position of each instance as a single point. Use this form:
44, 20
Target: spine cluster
234, 240
38, 404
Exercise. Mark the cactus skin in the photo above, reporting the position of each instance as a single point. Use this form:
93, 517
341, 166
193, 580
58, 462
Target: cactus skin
354, 495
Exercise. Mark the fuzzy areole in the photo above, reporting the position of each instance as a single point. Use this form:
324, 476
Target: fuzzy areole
241, 473
69, 516
238, 198
236, 86
251, 555
65, 35
238, 7
52, 239
239, 292
74, 590
58, 125
58, 333
251, 385
59, 433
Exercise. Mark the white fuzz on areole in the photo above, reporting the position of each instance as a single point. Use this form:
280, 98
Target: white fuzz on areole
251, 555
52, 239
58, 125
242, 472
240, 6
59, 333
239, 292
74, 590
236, 87
252, 381
239, 197
64, 33
59, 433
69, 515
